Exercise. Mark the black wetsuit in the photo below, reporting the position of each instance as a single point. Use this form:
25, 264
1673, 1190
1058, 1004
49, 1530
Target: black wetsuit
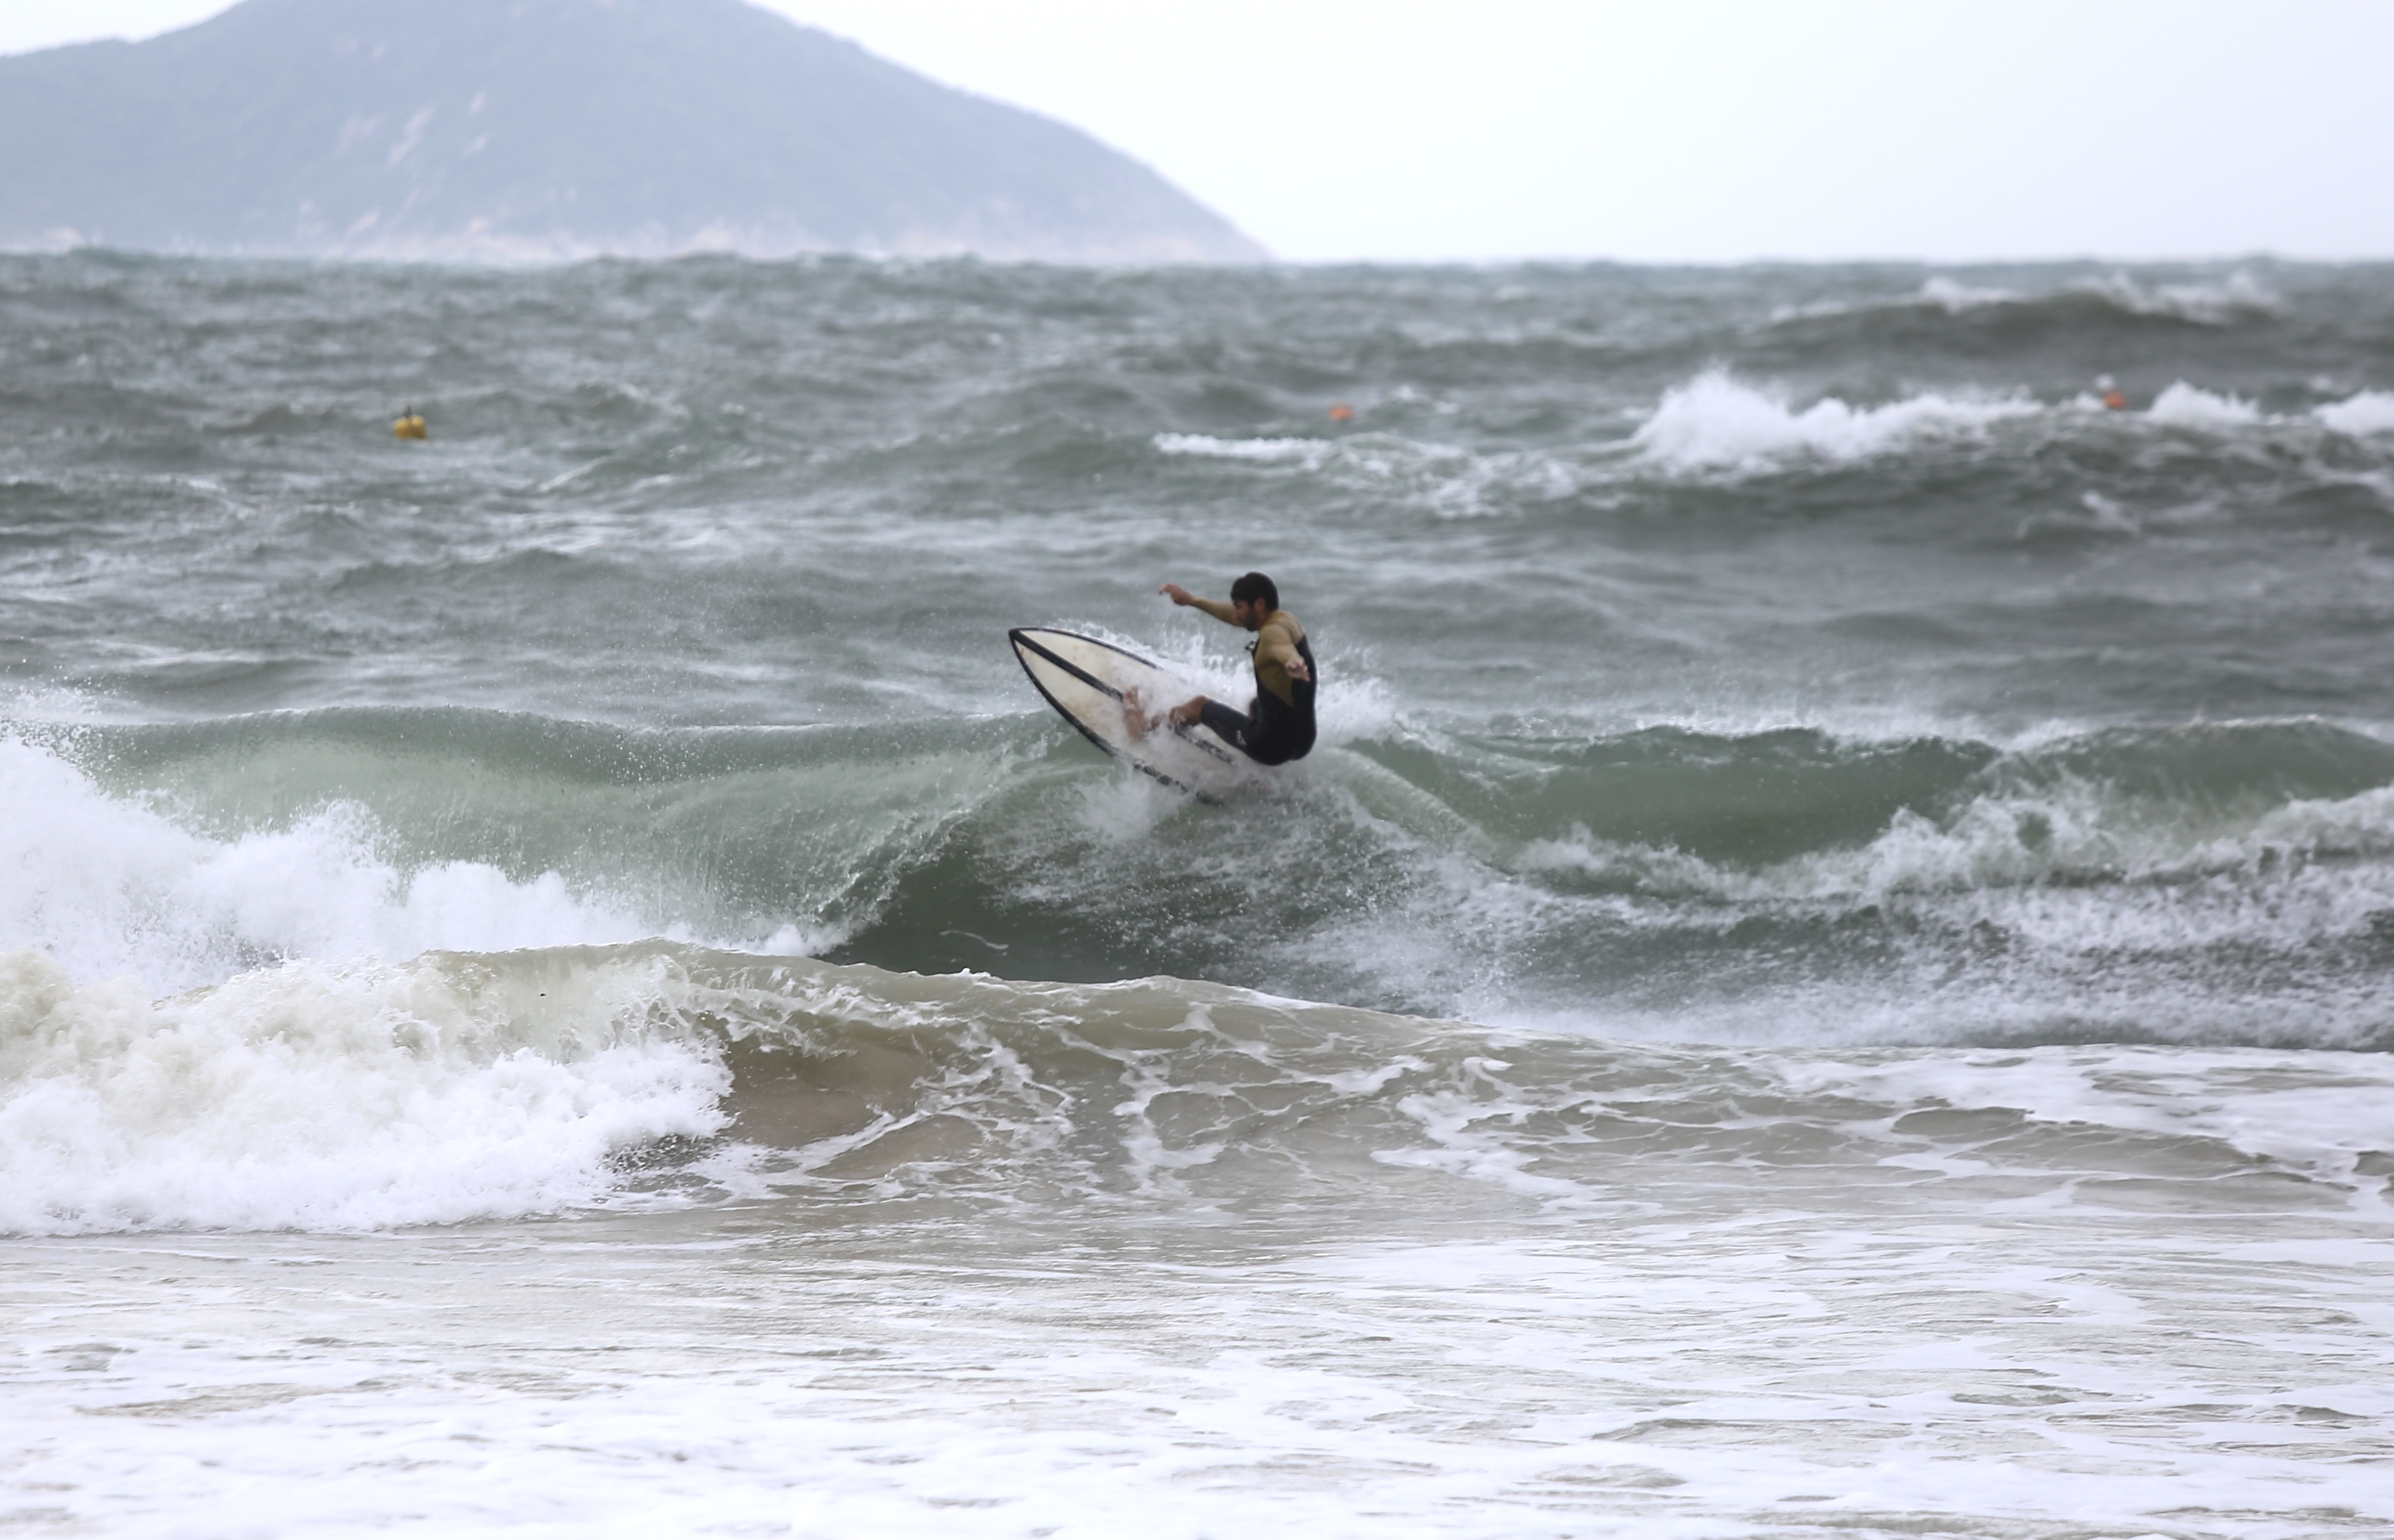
1273, 731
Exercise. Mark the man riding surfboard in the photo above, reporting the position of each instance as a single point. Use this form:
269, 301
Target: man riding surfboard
1277, 724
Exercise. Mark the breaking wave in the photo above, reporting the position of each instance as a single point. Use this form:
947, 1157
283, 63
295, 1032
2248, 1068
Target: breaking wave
463, 1086
2230, 883
1715, 422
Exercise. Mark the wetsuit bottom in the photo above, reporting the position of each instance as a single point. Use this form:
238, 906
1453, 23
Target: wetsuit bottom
1273, 740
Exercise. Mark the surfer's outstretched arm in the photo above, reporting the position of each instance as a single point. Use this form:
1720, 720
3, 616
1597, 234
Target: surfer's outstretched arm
1212, 607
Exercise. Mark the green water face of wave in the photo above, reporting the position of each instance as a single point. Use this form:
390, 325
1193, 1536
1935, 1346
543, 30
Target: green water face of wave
2200, 884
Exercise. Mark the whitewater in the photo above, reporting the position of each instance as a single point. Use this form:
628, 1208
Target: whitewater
1833, 972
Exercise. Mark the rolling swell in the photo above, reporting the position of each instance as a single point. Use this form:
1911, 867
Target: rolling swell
2210, 883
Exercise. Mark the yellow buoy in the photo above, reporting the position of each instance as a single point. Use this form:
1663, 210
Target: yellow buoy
410, 425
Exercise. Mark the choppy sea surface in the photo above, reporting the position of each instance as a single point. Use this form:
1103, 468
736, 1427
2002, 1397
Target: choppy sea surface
1833, 974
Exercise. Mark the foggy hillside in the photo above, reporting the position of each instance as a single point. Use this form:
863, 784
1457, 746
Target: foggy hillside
528, 129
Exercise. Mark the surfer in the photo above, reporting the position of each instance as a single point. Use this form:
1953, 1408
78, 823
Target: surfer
1277, 724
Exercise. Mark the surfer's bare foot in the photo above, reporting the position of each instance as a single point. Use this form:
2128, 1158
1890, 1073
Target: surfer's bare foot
1135, 720
1187, 712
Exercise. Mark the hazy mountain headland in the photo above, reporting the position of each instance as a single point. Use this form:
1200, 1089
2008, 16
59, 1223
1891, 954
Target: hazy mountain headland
543, 129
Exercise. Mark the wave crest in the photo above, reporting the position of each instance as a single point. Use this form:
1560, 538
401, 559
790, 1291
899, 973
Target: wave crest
1715, 422
2364, 414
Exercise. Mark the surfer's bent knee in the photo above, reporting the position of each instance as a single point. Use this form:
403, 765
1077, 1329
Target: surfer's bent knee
1253, 738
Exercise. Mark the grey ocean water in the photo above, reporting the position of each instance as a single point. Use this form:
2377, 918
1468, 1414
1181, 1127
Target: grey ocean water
1828, 977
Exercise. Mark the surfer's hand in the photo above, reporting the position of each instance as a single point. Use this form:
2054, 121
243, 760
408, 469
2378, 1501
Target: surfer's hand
1297, 671
1178, 594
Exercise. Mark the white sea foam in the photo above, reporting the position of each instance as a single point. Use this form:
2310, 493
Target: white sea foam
2184, 405
1696, 1375
321, 1097
1955, 298
2369, 412
1309, 453
110, 887
1715, 422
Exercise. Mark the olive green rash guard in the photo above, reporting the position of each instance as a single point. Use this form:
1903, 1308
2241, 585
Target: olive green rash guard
1275, 647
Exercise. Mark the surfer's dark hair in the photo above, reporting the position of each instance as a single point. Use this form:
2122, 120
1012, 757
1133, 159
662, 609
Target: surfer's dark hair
1255, 585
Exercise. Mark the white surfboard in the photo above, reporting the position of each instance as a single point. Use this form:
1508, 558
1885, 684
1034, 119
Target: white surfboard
1085, 679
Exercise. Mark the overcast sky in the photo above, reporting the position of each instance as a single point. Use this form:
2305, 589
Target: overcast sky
1676, 129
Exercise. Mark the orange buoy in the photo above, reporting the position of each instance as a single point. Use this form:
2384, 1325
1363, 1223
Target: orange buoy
2115, 401
410, 425
1342, 412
